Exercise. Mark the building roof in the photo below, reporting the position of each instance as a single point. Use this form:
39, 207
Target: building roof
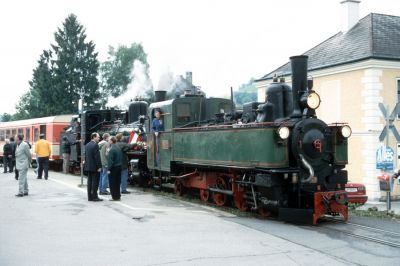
375, 36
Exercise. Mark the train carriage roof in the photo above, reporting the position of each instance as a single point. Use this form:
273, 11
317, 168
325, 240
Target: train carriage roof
41, 120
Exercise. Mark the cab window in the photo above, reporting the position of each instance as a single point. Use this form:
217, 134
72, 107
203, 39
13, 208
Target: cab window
183, 113
224, 108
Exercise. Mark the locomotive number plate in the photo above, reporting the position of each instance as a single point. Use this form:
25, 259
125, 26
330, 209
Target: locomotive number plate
164, 144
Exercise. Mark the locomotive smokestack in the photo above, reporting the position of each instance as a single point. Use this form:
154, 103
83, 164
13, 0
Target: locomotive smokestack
189, 77
159, 96
299, 82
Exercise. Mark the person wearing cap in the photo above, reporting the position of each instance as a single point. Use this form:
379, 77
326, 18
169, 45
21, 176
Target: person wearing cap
157, 127
43, 152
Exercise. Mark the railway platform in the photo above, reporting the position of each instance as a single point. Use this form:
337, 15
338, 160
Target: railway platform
56, 225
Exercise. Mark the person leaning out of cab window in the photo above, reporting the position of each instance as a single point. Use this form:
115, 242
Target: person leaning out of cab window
157, 124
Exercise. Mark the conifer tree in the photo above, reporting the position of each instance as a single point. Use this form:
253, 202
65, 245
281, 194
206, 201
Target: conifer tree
75, 69
37, 102
69, 68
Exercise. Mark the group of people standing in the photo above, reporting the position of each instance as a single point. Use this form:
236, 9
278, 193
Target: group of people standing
107, 165
106, 162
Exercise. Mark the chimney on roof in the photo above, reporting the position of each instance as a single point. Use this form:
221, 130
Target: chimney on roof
350, 14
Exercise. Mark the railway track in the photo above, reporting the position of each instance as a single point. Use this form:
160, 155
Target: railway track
371, 234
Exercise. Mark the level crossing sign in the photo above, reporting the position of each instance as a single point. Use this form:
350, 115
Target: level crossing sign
384, 158
389, 119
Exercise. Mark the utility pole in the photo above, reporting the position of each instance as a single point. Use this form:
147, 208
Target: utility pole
387, 120
82, 143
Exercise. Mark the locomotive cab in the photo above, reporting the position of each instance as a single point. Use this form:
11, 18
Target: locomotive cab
179, 114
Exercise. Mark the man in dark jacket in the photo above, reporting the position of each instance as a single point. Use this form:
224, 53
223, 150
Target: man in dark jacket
7, 156
13, 148
93, 166
114, 168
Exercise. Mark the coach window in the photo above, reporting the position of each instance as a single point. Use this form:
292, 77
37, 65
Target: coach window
20, 131
43, 130
2, 135
28, 134
14, 132
35, 134
8, 134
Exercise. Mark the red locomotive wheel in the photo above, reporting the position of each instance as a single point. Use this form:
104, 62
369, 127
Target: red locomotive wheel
204, 195
263, 212
178, 188
241, 205
219, 198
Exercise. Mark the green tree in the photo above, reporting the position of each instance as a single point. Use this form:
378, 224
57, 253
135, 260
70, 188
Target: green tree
75, 69
37, 102
5, 117
67, 69
116, 71
247, 92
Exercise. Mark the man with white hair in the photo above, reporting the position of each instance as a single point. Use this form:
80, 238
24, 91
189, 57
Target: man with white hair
23, 159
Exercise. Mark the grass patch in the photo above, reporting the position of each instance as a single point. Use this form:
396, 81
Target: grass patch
372, 212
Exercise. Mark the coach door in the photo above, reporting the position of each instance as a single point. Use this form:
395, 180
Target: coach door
35, 137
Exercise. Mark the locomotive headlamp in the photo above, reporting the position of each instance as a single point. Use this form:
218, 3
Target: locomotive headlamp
283, 132
313, 100
345, 131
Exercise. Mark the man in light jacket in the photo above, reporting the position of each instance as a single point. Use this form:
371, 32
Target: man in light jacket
104, 147
23, 159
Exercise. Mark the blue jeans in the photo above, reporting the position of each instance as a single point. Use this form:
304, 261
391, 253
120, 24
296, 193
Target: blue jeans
103, 180
124, 179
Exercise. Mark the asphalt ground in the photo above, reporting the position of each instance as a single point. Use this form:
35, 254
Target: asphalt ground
56, 225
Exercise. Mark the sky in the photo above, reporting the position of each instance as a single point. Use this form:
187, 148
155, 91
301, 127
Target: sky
223, 42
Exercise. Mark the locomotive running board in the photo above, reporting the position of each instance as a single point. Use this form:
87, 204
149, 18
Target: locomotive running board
186, 175
292, 215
